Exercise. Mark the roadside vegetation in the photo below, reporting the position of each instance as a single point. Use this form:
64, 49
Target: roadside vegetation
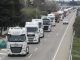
76, 41
16, 12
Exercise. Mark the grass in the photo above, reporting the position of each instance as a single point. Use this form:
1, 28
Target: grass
76, 49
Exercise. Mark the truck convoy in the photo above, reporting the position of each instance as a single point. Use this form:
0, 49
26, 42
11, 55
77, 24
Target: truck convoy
18, 37
40, 23
52, 18
32, 31
17, 41
46, 23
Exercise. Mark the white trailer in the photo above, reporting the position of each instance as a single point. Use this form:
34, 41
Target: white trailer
46, 23
40, 23
61, 14
32, 31
17, 41
52, 18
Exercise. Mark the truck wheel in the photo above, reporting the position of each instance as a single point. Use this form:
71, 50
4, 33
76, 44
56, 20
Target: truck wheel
9, 55
58, 21
54, 25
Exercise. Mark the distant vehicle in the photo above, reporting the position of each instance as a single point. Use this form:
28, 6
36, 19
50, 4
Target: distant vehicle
32, 31
61, 14
40, 23
17, 41
65, 21
46, 23
57, 17
66, 12
52, 18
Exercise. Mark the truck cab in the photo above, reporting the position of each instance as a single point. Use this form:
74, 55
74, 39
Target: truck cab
52, 18
60, 14
17, 41
32, 31
65, 12
46, 23
57, 17
40, 23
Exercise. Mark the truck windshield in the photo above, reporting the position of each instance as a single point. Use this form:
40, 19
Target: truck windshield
16, 38
51, 19
46, 22
32, 29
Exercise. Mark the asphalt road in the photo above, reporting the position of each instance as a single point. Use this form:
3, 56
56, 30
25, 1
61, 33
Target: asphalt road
47, 47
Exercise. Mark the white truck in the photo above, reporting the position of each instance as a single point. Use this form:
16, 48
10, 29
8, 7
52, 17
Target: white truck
40, 23
61, 14
32, 31
66, 21
17, 41
46, 23
52, 18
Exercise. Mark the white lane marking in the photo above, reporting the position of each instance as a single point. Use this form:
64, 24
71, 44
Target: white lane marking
36, 49
62, 40
30, 56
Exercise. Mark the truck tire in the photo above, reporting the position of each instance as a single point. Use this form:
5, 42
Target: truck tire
58, 22
9, 55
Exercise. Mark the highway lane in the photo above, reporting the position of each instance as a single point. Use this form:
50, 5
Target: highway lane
64, 49
46, 49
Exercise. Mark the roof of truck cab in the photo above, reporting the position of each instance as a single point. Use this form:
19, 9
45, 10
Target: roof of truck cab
31, 24
45, 17
60, 12
16, 30
37, 20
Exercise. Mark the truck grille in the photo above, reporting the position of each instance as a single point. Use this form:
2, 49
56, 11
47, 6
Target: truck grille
31, 35
30, 39
16, 49
45, 27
